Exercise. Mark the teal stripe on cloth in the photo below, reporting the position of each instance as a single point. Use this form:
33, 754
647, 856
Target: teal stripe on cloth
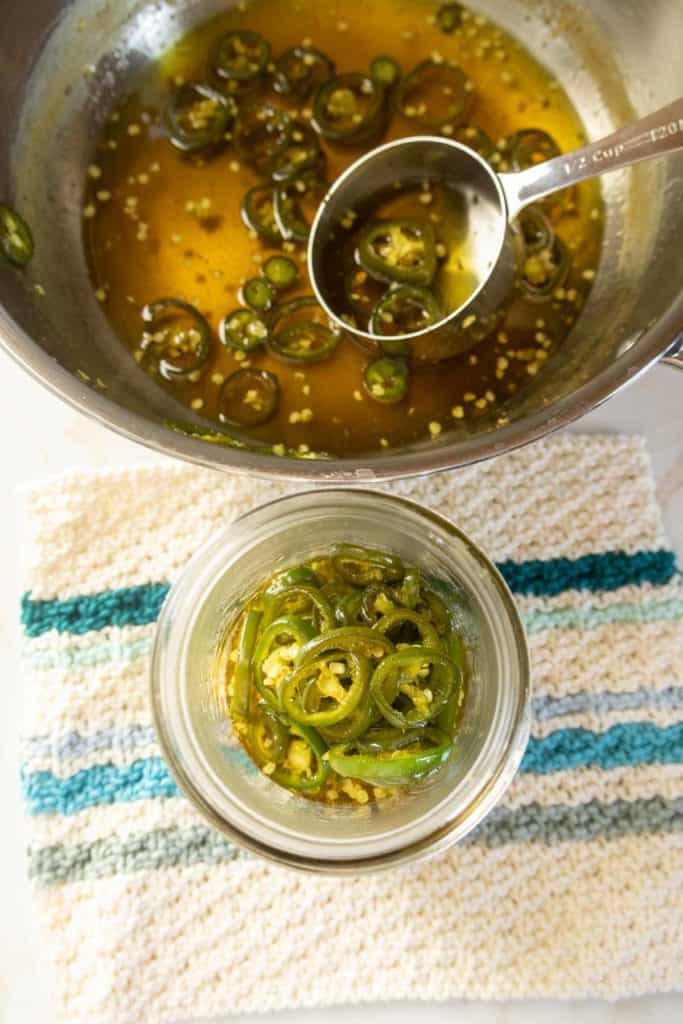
140, 605
144, 779
122, 652
628, 743
608, 571
623, 744
127, 606
177, 848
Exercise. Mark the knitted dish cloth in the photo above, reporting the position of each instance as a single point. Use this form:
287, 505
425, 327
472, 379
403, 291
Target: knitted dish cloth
573, 886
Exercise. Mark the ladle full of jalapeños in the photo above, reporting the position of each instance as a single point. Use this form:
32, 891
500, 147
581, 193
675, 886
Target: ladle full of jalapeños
488, 204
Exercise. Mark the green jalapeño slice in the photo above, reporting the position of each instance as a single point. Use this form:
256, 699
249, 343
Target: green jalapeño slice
243, 329
392, 757
349, 109
386, 380
345, 673
199, 118
248, 398
176, 340
435, 95
402, 251
258, 213
16, 240
405, 310
301, 332
299, 70
240, 59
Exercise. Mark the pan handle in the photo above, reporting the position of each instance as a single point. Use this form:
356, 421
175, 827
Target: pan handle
652, 136
674, 355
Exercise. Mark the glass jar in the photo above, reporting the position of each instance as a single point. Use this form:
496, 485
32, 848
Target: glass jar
193, 723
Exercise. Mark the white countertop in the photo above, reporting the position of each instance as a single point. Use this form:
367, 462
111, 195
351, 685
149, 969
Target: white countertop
42, 436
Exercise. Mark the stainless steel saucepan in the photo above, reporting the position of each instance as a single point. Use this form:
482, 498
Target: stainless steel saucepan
65, 63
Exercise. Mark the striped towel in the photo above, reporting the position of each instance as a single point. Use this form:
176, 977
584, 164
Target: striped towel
573, 886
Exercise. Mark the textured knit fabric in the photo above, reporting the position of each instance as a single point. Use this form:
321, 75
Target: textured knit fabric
573, 886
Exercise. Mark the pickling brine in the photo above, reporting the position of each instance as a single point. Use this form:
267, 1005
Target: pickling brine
204, 184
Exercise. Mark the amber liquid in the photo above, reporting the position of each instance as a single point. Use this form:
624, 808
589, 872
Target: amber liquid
456, 278
160, 225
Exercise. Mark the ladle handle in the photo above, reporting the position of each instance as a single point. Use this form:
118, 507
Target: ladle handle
654, 135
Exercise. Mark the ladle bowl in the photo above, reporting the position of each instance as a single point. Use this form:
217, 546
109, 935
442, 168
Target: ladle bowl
490, 204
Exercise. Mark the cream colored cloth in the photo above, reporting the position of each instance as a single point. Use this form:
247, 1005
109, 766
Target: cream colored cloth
573, 887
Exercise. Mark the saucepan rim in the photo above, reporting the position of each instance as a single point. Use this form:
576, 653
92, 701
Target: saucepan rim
391, 466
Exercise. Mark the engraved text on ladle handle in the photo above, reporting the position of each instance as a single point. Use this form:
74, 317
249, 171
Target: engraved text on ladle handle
655, 135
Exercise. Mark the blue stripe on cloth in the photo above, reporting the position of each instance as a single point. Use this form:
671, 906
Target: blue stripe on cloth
125, 740
545, 707
72, 745
140, 605
173, 847
624, 744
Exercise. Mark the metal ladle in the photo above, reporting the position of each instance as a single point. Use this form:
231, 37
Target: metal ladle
490, 201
